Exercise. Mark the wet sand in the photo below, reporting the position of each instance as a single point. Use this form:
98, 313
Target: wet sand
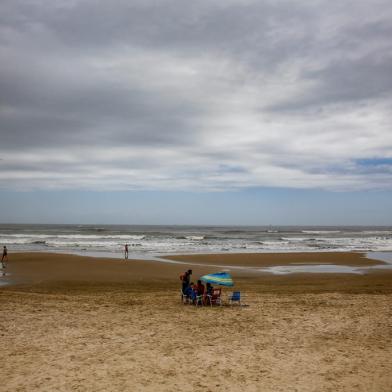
276, 259
77, 323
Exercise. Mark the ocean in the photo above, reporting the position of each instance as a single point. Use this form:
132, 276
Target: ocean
146, 241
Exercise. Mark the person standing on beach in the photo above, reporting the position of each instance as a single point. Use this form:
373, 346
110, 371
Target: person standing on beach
186, 278
126, 252
5, 256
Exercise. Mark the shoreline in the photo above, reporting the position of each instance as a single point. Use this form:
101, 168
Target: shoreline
156, 255
371, 258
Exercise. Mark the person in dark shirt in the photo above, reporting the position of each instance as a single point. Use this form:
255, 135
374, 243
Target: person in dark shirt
5, 254
208, 294
126, 251
186, 277
5, 257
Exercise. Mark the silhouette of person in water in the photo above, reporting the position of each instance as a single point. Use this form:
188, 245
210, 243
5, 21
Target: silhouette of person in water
126, 252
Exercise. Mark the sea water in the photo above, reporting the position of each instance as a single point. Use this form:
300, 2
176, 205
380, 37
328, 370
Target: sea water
146, 241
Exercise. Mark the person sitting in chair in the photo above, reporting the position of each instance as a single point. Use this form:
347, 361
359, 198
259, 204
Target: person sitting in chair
208, 293
189, 291
200, 288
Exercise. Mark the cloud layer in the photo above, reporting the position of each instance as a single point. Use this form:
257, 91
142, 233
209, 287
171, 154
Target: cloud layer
212, 95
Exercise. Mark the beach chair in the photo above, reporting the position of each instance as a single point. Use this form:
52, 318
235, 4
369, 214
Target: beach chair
199, 299
235, 296
184, 298
195, 299
215, 298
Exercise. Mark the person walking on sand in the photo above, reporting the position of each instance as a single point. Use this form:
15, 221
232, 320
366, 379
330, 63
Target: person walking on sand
126, 251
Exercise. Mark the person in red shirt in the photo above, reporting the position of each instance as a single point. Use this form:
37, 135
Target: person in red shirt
200, 288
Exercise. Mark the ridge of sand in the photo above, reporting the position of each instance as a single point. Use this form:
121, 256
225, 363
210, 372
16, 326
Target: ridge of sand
354, 259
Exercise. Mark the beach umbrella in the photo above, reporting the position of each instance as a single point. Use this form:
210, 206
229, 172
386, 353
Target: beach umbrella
219, 278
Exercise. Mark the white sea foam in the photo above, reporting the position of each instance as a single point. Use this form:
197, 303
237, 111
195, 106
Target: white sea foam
320, 231
295, 239
377, 232
152, 240
77, 236
195, 237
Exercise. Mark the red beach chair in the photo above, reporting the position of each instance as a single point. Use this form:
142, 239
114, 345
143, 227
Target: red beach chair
215, 298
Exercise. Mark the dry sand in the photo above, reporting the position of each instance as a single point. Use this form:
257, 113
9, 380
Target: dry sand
83, 324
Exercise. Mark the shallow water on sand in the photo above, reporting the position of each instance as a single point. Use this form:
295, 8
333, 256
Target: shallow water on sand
4, 278
315, 269
386, 257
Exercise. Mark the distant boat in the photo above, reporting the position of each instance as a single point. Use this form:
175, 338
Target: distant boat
272, 230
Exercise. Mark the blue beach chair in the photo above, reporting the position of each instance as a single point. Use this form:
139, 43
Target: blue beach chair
235, 296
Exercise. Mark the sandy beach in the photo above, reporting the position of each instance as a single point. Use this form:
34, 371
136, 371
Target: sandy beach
250, 139
71, 323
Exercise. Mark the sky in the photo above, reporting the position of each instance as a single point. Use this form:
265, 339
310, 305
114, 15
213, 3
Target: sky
205, 112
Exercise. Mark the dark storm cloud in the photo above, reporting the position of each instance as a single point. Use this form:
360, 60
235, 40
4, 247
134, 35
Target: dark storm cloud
59, 103
237, 93
358, 69
349, 81
169, 23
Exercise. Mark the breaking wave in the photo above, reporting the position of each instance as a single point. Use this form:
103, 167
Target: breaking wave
172, 239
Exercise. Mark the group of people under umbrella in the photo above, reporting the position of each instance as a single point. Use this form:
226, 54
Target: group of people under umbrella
200, 294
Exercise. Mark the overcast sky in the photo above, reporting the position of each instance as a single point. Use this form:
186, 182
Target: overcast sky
206, 96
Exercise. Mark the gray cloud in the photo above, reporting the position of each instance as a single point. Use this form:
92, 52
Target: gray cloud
214, 95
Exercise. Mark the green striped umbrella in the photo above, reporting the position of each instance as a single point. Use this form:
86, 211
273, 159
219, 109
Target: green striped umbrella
219, 278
